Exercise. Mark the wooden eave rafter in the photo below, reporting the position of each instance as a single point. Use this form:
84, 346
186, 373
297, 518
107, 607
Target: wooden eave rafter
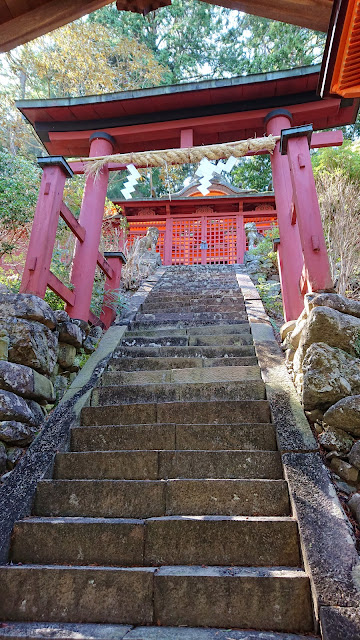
21, 21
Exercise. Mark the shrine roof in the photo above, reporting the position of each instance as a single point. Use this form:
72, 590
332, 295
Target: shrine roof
217, 110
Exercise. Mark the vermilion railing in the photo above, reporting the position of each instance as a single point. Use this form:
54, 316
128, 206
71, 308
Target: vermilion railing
37, 274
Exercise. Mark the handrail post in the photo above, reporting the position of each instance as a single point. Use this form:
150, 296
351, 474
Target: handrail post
295, 143
91, 217
290, 258
43, 233
115, 259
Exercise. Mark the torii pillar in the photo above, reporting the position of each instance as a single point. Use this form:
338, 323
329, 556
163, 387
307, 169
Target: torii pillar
290, 255
91, 218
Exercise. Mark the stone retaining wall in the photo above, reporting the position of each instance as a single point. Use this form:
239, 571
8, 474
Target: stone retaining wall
323, 357
41, 351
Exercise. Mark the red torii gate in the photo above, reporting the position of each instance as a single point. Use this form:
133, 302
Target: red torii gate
280, 103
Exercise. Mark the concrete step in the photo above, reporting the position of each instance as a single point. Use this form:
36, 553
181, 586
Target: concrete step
263, 598
240, 541
177, 391
153, 498
188, 375
217, 412
127, 363
158, 465
169, 436
189, 352
217, 329
73, 631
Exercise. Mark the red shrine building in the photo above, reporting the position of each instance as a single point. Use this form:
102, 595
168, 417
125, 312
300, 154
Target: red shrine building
194, 229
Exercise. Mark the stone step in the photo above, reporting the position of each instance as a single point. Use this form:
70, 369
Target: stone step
217, 412
174, 540
217, 329
179, 392
263, 598
184, 297
194, 307
187, 375
154, 341
159, 318
163, 464
161, 323
170, 436
127, 363
189, 352
184, 341
152, 498
73, 631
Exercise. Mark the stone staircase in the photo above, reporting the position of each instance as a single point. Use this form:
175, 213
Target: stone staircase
169, 517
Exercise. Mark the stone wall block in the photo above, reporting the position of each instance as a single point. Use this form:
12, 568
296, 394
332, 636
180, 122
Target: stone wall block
32, 344
13, 432
67, 353
3, 458
13, 407
329, 375
26, 305
334, 301
332, 327
70, 333
25, 382
345, 415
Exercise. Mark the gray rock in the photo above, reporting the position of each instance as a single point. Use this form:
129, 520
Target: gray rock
70, 333
66, 356
32, 344
297, 333
336, 440
96, 333
345, 470
13, 456
329, 375
3, 458
38, 412
287, 328
345, 415
28, 306
61, 315
354, 504
84, 326
13, 407
332, 327
25, 382
334, 301
60, 386
315, 416
13, 432
89, 344
354, 455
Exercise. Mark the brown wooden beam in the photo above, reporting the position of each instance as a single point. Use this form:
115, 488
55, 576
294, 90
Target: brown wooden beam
313, 14
50, 15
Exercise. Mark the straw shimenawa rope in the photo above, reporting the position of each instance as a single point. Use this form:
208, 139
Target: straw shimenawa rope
194, 155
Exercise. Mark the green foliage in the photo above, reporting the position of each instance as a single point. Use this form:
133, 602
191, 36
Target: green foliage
345, 159
272, 301
19, 186
253, 172
265, 248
